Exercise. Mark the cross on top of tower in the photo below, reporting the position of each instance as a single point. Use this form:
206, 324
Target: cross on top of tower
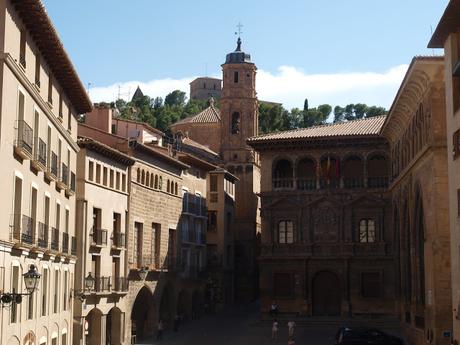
239, 32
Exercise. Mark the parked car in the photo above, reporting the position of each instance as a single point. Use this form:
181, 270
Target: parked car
365, 336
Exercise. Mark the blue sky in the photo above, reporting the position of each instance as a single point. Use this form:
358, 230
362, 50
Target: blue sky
331, 51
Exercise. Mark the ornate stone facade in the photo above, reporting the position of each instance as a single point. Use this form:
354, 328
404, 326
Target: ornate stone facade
328, 247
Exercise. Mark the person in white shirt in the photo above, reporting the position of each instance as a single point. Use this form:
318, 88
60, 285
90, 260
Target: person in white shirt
274, 329
291, 328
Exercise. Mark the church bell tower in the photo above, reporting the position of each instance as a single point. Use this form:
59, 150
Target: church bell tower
239, 106
239, 121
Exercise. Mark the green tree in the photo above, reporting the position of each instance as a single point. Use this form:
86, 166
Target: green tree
175, 98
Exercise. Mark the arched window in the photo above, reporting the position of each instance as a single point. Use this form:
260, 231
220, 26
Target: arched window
160, 183
156, 182
366, 231
147, 179
143, 177
235, 129
286, 231
151, 180
167, 186
378, 171
353, 172
235, 77
282, 174
176, 190
138, 175
306, 174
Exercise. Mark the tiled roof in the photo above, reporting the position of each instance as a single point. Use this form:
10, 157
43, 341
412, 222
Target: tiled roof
105, 150
447, 25
210, 115
190, 146
365, 127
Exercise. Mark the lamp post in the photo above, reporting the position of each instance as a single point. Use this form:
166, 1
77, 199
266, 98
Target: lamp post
88, 286
31, 280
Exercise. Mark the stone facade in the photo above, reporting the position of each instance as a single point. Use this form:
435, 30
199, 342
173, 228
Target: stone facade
416, 130
447, 36
327, 243
204, 88
102, 211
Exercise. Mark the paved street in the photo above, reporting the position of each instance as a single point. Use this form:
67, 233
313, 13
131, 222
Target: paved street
241, 325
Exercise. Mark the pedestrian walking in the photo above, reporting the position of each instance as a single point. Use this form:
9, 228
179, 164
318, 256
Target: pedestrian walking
291, 328
274, 329
273, 309
176, 323
160, 330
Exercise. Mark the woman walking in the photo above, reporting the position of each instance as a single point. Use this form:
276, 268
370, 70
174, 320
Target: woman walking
274, 329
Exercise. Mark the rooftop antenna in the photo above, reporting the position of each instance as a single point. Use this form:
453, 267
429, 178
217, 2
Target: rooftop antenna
88, 86
123, 94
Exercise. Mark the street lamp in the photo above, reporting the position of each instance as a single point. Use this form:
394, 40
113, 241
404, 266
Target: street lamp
31, 280
89, 285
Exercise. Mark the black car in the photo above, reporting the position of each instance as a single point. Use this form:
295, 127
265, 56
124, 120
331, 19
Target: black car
365, 336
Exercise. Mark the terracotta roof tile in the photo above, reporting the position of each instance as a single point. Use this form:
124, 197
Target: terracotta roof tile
370, 126
210, 115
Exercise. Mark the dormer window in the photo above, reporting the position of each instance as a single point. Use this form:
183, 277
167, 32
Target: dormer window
22, 48
235, 77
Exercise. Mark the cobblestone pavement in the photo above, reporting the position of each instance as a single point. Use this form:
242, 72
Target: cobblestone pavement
241, 326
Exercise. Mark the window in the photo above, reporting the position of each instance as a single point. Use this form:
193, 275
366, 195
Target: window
285, 231
56, 290
235, 128
17, 205
370, 284
111, 178
104, 176
123, 182
456, 143
37, 69
235, 77
69, 120
50, 89
67, 221
117, 180
91, 171
212, 221
366, 231
213, 183
114, 128
138, 238
14, 286
22, 48
66, 286
156, 242
283, 285
98, 173
44, 280
60, 107
185, 229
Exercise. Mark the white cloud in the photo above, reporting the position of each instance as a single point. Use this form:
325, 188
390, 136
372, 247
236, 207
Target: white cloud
289, 85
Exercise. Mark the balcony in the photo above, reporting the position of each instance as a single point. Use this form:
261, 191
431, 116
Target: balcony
71, 189
42, 235
39, 162
52, 172
63, 181
283, 183
353, 182
102, 284
306, 183
65, 243
99, 237
23, 145
73, 249
118, 240
120, 284
329, 183
23, 229
54, 239
377, 182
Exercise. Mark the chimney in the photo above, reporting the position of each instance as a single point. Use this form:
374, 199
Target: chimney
100, 117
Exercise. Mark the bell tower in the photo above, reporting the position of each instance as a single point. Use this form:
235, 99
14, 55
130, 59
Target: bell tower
239, 106
239, 120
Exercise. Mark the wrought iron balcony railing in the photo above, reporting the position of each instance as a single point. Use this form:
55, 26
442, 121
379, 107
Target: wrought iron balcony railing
24, 140
42, 235
102, 284
118, 240
120, 284
73, 249
99, 237
54, 239
65, 242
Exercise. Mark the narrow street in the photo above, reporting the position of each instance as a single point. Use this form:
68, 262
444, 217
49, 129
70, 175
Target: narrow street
242, 326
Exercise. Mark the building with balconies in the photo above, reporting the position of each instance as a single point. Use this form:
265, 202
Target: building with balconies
102, 218
40, 99
328, 248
